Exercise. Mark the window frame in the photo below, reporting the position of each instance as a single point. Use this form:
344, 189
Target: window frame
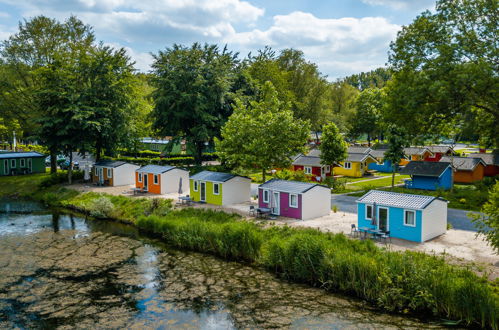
405, 218
139, 178
13, 163
307, 170
109, 173
290, 199
195, 185
22, 162
265, 192
371, 215
328, 168
155, 179
349, 167
218, 188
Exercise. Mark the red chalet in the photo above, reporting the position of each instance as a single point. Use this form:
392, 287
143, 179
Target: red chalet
438, 152
491, 161
311, 165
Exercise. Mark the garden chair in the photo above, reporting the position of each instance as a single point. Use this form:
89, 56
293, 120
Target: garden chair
385, 237
354, 232
252, 211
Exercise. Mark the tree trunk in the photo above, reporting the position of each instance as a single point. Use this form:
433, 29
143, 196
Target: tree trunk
368, 140
70, 168
317, 137
263, 174
53, 162
98, 151
393, 176
198, 153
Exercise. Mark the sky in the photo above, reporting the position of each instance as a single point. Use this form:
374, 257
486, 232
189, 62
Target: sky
342, 37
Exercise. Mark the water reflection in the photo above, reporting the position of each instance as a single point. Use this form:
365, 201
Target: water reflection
66, 271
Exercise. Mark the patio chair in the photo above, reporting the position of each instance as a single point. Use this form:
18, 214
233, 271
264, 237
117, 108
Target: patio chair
385, 237
354, 232
252, 211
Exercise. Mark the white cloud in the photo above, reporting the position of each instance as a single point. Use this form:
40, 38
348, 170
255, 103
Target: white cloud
402, 4
340, 46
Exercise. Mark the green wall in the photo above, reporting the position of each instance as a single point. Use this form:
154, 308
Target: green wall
210, 197
38, 165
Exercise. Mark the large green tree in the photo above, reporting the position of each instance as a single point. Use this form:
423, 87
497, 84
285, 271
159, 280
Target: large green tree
397, 141
342, 98
333, 146
445, 68
367, 119
262, 135
191, 93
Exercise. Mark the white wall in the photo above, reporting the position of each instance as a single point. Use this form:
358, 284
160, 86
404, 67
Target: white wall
170, 181
316, 203
124, 174
434, 220
236, 190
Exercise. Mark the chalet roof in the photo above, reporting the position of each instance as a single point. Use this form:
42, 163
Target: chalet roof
29, 154
388, 198
358, 150
109, 163
358, 157
155, 169
416, 151
463, 163
433, 169
293, 187
314, 153
155, 141
439, 149
378, 153
307, 161
489, 159
215, 176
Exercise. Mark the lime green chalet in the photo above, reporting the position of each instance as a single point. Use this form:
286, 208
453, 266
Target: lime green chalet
15, 163
219, 188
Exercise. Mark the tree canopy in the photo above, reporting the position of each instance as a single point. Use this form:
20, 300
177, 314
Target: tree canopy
333, 146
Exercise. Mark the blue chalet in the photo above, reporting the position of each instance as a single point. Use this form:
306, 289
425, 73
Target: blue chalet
416, 218
382, 164
428, 175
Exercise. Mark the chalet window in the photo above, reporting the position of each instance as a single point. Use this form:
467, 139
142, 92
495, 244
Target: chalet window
410, 218
265, 196
328, 169
23, 162
156, 179
216, 189
293, 200
140, 177
369, 212
12, 163
307, 170
96, 171
109, 173
323, 170
196, 185
347, 165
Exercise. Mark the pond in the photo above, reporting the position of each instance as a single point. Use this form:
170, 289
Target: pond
63, 271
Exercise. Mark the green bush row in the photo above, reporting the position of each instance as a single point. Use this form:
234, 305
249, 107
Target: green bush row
176, 161
406, 282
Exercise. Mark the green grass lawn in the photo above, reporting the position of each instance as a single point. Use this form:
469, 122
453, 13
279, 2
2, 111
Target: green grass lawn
21, 185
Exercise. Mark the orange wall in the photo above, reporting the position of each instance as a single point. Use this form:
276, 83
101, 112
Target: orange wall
469, 176
152, 188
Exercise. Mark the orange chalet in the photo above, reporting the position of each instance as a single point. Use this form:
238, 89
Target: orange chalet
466, 169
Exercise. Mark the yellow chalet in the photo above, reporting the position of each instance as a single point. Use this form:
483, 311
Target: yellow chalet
355, 165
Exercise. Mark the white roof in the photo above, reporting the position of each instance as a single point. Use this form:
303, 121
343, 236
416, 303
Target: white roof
388, 198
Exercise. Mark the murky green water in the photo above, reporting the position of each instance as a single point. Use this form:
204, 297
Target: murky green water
67, 272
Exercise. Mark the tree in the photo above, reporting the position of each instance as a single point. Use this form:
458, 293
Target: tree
373, 79
397, 140
488, 223
333, 147
191, 96
445, 66
342, 98
366, 120
262, 135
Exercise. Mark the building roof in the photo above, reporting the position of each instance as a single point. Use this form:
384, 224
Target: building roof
416, 151
293, 187
419, 167
378, 153
388, 198
358, 157
20, 155
214, 176
439, 149
489, 159
463, 163
109, 163
314, 153
155, 169
155, 141
358, 150
308, 161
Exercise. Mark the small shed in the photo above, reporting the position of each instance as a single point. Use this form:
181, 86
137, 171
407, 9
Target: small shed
311, 165
491, 161
114, 173
428, 175
162, 179
466, 169
293, 199
14, 163
438, 152
415, 153
219, 188
381, 164
355, 165
416, 218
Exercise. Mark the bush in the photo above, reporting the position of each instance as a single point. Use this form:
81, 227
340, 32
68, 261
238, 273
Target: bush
102, 207
293, 175
338, 184
60, 177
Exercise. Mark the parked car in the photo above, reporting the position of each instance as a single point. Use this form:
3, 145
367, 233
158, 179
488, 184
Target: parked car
60, 159
65, 165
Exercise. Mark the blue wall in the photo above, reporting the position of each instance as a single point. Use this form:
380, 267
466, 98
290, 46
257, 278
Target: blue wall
386, 167
395, 223
432, 183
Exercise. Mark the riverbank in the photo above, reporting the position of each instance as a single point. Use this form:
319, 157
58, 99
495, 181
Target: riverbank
404, 282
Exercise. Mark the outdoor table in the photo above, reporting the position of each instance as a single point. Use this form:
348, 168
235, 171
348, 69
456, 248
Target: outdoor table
374, 232
264, 211
185, 200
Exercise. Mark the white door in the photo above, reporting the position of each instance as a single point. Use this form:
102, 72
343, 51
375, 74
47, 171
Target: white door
275, 203
145, 177
383, 223
100, 173
203, 191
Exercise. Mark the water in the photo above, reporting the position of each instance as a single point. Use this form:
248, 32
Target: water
63, 271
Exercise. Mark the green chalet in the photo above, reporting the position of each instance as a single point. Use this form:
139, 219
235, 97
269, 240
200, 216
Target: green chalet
14, 163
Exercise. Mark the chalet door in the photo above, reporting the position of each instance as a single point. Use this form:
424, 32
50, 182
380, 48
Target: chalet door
100, 174
30, 165
146, 181
275, 203
6, 166
383, 219
202, 193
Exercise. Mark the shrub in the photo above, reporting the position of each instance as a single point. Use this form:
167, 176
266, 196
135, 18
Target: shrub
101, 207
60, 177
292, 175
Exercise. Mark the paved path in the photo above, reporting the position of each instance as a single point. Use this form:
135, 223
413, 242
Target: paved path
378, 178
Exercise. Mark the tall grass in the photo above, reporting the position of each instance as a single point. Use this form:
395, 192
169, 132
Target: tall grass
405, 282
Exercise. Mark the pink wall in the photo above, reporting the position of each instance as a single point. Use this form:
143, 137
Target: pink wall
285, 209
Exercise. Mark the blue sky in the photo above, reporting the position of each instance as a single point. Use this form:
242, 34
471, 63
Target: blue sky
342, 36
